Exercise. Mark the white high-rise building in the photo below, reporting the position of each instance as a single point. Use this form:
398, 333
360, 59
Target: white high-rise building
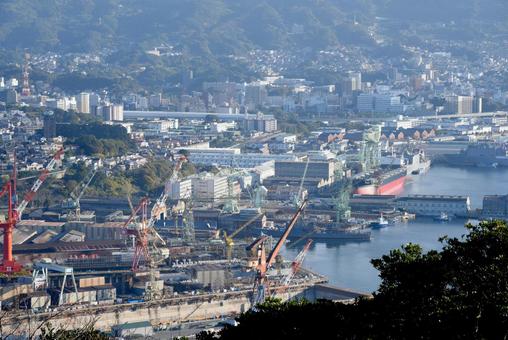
118, 112
356, 81
83, 102
465, 105
209, 188
459, 105
113, 112
179, 189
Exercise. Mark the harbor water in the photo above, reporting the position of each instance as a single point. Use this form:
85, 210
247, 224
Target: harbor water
348, 265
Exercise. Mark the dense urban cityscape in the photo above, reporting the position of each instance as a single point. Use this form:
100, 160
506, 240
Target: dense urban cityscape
150, 189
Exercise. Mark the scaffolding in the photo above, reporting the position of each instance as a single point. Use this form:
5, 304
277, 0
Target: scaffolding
370, 152
231, 203
188, 231
341, 201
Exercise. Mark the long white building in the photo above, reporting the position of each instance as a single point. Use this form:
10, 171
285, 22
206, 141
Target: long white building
434, 205
236, 160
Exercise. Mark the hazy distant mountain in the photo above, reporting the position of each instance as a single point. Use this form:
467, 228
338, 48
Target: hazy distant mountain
226, 26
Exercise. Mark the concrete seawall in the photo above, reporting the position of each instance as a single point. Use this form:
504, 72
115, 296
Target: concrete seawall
171, 310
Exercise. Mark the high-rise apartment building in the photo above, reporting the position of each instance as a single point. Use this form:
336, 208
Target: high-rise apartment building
356, 81
112, 112
49, 128
459, 105
477, 105
83, 102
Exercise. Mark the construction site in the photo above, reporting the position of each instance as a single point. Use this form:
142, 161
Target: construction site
154, 265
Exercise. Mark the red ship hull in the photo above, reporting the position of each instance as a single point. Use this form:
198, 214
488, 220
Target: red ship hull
392, 188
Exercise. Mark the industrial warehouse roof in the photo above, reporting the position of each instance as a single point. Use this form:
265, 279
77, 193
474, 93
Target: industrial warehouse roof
56, 247
434, 197
39, 223
19, 235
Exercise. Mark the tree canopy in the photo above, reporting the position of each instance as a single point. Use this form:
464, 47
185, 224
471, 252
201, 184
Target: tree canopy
459, 292
97, 139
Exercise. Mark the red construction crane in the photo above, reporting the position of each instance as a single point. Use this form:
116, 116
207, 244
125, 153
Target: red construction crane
261, 283
139, 230
29, 196
297, 263
142, 229
14, 213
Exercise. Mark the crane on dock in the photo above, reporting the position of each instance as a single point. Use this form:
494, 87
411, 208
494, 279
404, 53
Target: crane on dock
137, 228
160, 206
229, 239
142, 230
15, 212
73, 202
298, 199
261, 285
296, 264
146, 236
370, 152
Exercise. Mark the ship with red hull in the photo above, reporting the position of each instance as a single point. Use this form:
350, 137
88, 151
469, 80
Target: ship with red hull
389, 183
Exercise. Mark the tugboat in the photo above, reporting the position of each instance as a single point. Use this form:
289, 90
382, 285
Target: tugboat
442, 218
381, 223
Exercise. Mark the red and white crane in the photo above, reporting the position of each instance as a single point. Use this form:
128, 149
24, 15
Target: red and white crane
296, 264
14, 213
29, 196
144, 227
160, 205
138, 229
261, 288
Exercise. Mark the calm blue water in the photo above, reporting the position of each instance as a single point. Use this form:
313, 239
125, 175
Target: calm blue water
348, 265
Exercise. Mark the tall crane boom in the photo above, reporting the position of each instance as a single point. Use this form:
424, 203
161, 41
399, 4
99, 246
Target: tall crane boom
229, 238
8, 264
29, 196
284, 236
300, 189
260, 282
139, 231
73, 202
297, 263
160, 204
79, 191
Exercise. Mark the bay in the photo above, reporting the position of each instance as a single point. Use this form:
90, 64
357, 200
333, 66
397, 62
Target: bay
347, 265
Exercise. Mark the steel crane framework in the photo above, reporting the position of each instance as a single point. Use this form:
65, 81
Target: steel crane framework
261, 287
14, 212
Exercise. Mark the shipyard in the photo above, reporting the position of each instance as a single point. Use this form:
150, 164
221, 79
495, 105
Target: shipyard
176, 170
207, 247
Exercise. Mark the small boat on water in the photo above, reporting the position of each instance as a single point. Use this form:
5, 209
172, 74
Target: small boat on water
381, 223
407, 216
442, 218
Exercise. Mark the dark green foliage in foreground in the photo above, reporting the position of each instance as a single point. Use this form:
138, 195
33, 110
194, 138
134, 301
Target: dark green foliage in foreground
460, 292
87, 332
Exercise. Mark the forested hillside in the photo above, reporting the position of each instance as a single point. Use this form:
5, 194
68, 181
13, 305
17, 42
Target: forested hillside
221, 26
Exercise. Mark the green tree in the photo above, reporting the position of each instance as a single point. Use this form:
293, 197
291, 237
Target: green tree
460, 292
